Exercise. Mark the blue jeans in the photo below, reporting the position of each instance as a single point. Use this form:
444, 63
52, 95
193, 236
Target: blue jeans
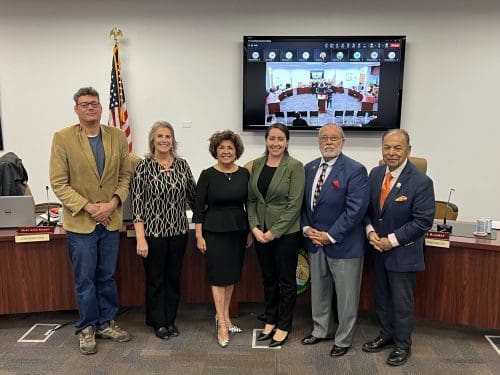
93, 259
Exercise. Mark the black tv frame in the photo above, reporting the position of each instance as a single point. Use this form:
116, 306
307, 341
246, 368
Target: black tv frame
287, 52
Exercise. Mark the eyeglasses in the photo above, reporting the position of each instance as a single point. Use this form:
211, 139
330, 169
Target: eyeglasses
89, 104
398, 149
324, 139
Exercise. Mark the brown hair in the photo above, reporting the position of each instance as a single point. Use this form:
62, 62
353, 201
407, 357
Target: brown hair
225, 135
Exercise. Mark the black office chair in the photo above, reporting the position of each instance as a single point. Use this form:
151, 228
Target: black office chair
279, 116
349, 117
338, 117
313, 117
290, 116
361, 116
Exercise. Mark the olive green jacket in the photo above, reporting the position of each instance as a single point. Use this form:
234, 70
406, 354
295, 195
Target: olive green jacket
279, 211
75, 179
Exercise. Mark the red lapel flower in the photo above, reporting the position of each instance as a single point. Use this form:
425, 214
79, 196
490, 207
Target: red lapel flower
336, 184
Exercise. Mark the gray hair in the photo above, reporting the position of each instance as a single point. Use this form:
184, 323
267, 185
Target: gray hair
151, 137
339, 128
397, 131
85, 91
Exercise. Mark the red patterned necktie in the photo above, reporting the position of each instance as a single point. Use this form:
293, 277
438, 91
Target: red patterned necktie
320, 183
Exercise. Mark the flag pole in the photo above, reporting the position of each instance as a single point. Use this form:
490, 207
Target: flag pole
118, 111
117, 34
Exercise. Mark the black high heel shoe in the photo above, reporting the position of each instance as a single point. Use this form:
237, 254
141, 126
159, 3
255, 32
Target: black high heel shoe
275, 343
266, 336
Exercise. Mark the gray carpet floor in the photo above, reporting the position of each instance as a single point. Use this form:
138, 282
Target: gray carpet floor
437, 348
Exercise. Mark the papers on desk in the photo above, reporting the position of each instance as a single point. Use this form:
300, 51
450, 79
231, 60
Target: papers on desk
495, 224
53, 218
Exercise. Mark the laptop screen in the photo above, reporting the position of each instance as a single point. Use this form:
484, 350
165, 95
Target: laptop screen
17, 211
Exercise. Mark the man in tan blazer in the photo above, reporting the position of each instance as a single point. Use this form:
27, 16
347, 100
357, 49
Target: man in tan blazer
90, 174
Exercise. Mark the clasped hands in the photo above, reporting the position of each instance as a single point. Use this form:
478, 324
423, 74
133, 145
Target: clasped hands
380, 244
318, 238
261, 236
101, 212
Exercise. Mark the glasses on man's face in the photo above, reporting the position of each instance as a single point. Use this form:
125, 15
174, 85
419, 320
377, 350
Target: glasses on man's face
89, 104
397, 149
325, 139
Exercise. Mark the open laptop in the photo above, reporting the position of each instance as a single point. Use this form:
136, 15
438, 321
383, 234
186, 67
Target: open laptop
17, 211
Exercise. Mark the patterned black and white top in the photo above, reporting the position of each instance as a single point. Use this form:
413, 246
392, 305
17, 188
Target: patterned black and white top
160, 197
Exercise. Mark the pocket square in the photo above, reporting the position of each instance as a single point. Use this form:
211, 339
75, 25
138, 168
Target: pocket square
401, 198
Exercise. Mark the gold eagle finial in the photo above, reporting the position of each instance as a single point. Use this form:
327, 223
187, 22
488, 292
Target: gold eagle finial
116, 33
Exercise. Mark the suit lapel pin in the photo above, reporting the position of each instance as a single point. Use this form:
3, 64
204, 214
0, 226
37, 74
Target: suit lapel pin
398, 185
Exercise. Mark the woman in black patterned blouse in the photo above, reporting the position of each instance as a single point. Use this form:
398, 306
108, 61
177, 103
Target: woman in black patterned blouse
162, 187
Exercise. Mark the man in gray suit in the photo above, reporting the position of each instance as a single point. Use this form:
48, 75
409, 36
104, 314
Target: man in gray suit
336, 199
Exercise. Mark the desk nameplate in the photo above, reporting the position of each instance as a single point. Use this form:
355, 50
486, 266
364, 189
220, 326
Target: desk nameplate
437, 239
33, 230
41, 237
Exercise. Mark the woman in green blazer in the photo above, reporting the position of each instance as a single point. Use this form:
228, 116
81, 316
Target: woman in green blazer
275, 193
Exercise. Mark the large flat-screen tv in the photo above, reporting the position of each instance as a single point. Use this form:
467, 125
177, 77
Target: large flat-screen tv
306, 82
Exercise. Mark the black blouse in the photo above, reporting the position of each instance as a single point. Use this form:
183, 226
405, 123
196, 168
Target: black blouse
265, 179
220, 200
160, 197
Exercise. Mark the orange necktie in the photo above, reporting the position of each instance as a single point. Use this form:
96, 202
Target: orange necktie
386, 188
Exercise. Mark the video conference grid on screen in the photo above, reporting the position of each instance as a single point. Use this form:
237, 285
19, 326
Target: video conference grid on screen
306, 82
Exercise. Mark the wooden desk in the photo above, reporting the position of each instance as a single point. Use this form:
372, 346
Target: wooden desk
367, 102
322, 98
460, 285
304, 90
273, 107
355, 94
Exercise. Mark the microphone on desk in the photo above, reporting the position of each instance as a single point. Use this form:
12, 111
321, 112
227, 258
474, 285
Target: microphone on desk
445, 227
48, 206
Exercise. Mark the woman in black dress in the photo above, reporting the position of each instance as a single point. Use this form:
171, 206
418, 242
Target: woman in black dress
221, 224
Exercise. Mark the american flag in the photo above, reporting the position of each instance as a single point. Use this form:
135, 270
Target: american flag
118, 116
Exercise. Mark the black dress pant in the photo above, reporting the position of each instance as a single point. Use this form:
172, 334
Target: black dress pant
278, 262
162, 268
394, 304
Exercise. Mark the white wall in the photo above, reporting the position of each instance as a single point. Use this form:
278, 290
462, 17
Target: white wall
182, 61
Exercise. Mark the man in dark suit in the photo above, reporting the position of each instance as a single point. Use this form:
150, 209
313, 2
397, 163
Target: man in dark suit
400, 212
336, 199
